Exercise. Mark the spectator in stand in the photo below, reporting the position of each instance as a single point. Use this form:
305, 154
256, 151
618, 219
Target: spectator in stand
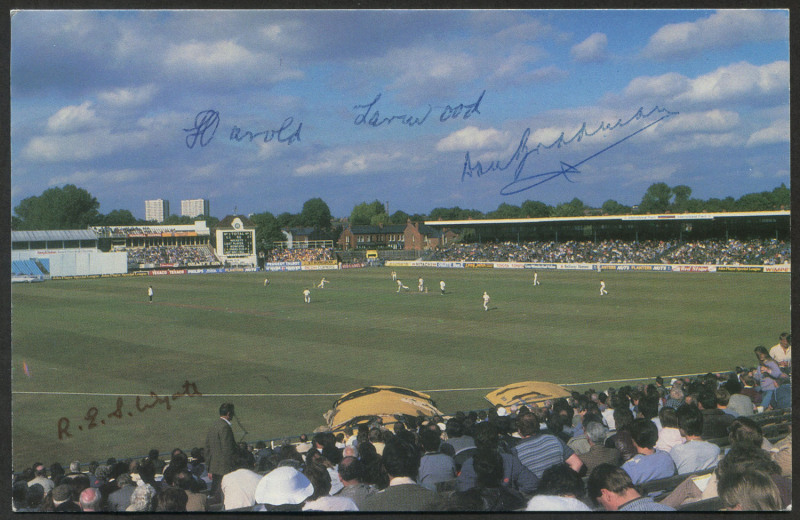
401, 461
515, 474
40, 477
676, 396
739, 403
781, 453
695, 454
670, 434
612, 488
376, 438
221, 449
171, 500
649, 463
768, 375
723, 399
622, 440
351, 475
538, 451
63, 499
283, 489
561, 489
749, 491
782, 352
374, 472
434, 466
596, 434
458, 445
492, 494
321, 499
154, 458
715, 421
90, 499
121, 498
750, 389
239, 486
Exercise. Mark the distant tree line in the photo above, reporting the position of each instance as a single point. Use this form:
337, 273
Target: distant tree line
71, 207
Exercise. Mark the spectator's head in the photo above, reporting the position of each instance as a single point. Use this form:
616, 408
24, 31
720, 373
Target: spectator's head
561, 480
351, 471
690, 421
454, 428
400, 459
40, 470
676, 393
648, 407
142, 499
375, 435
743, 429
430, 440
668, 417
723, 397
644, 433
707, 399
528, 424
762, 353
596, 432
124, 479
75, 466
152, 454
35, 496
171, 499
319, 478
486, 435
623, 418
61, 493
488, 467
90, 499
749, 491
226, 410
744, 457
610, 487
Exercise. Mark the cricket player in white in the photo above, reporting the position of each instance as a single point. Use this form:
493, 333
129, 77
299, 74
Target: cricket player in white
322, 283
394, 276
401, 286
485, 301
421, 284
307, 296
441, 286
535, 278
266, 282
603, 288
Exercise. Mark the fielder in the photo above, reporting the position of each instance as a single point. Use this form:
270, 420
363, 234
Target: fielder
307, 296
421, 284
150, 293
441, 286
266, 282
401, 286
394, 276
485, 301
603, 288
322, 283
536, 279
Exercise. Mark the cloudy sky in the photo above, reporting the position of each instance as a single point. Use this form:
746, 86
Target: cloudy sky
263, 110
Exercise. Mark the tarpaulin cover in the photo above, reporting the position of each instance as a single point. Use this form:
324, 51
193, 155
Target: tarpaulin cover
526, 393
365, 404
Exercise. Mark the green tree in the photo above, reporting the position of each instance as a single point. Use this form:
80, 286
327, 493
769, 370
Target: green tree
681, 202
288, 220
715, 205
656, 199
178, 220
316, 214
782, 197
117, 217
612, 207
69, 207
536, 209
362, 213
505, 210
399, 217
267, 230
573, 208
381, 219
754, 202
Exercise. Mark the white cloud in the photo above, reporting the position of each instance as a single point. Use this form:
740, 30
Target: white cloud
711, 121
471, 138
349, 162
99, 177
777, 132
592, 49
82, 146
738, 81
128, 97
73, 118
698, 141
208, 55
665, 86
722, 29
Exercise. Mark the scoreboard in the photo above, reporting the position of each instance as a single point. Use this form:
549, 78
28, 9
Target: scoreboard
237, 243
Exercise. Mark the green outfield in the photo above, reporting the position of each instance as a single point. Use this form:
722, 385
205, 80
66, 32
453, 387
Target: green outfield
92, 347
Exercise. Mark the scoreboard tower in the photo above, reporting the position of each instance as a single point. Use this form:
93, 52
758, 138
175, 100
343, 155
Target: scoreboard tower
236, 241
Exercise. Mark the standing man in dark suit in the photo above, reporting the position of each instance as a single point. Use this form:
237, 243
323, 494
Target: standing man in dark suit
221, 449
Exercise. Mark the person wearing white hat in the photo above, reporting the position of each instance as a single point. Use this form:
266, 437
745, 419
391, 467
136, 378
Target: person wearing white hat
285, 488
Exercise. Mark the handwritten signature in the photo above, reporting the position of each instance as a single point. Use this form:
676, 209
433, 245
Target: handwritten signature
376, 119
206, 123
189, 390
519, 157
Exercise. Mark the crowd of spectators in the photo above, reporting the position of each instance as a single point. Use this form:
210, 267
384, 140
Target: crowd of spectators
301, 255
588, 452
715, 252
174, 255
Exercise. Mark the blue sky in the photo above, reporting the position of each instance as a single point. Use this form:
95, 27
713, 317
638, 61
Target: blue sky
470, 106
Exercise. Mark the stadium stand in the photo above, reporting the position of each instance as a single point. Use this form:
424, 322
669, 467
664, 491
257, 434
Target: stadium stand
563, 421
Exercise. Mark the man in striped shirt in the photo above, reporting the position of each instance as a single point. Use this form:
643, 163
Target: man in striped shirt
539, 451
